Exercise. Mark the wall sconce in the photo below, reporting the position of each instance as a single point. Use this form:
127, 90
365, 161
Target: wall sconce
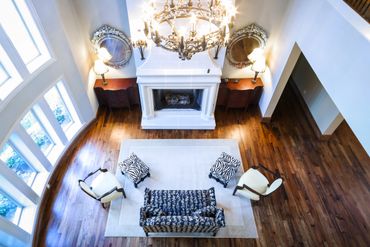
255, 54
259, 66
103, 54
141, 44
100, 69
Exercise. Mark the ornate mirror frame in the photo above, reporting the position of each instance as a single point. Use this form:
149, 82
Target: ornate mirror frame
252, 31
110, 34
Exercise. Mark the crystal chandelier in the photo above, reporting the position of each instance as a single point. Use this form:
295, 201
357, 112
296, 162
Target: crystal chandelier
189, 27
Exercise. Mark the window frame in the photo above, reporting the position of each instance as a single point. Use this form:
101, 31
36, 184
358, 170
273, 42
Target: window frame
19, 153
19, 205
14, 79
29, 20
8, 76
57, 88
35, 115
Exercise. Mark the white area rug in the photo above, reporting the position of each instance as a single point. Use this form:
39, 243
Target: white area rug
179, 164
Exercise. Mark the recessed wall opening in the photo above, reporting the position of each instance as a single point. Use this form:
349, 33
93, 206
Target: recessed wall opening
177, 99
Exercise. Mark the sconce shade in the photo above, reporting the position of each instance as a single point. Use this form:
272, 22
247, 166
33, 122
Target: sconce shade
104, 54
259, 65
100, 68
255, 54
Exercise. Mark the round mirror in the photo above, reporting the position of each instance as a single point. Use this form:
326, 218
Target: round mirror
116, 44
243, 42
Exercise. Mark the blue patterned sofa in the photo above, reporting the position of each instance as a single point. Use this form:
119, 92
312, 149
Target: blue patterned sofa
181, 211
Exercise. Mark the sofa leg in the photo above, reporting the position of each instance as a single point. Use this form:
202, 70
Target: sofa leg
214, 234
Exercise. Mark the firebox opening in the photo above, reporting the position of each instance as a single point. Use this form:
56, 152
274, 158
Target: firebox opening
177, 99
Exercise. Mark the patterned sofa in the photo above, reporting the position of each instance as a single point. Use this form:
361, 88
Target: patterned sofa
181, 211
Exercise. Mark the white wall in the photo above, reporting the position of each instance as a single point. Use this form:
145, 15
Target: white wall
322, 108
266, 13
79, 45
335, 41
92, 14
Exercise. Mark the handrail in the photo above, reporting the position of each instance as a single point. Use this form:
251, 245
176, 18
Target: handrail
362, 7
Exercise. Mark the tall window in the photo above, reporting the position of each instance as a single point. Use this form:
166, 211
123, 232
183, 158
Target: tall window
9, 208
18, 164
37, 133
9, 77
20, 27
59, 108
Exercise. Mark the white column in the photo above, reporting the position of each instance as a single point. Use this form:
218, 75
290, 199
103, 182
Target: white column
212, 98
146, 97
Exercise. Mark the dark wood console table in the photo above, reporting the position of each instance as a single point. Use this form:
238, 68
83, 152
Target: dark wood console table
118, 93
240, 94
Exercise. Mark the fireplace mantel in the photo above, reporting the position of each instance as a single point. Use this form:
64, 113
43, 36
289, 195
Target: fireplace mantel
163, 70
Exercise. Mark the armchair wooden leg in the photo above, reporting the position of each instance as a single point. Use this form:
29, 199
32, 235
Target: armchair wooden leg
124, 194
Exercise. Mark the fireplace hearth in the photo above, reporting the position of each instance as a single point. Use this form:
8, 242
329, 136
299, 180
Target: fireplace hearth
177, 99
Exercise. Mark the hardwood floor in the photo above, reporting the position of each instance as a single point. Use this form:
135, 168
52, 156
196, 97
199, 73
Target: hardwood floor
324, 202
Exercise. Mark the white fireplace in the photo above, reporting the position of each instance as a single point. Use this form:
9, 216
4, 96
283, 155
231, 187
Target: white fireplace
174, 80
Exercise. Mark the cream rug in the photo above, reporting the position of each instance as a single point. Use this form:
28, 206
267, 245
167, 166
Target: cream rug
179, 164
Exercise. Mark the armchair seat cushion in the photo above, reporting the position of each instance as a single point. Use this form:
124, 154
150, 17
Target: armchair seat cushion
225, 168
104, 183
134, 168
255, 180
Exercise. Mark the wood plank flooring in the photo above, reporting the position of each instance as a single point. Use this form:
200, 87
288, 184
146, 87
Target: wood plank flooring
324, 202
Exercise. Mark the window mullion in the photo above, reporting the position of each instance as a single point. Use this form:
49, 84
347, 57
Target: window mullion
52, 120
13, 230
31, 145
18, 183
13, 54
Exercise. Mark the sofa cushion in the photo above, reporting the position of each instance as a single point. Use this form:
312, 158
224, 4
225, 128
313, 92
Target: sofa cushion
152, 211
225, 167
180, 221
134, 168
179, 202
208, 211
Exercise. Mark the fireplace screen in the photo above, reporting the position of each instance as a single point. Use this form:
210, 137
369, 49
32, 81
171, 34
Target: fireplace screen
177, 99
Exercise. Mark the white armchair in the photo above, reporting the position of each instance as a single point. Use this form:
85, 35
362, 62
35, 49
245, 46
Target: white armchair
253, 184
104, 188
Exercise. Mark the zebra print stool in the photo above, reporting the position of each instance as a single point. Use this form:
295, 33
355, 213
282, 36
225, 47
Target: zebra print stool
134, 169
224, 169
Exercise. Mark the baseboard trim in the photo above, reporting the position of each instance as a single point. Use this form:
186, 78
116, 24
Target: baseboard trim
265, 120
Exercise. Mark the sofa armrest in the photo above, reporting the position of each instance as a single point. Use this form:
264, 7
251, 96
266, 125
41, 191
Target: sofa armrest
220, 217
142, 216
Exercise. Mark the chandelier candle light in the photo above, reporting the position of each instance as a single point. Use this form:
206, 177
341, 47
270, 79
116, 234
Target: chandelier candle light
187, 27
